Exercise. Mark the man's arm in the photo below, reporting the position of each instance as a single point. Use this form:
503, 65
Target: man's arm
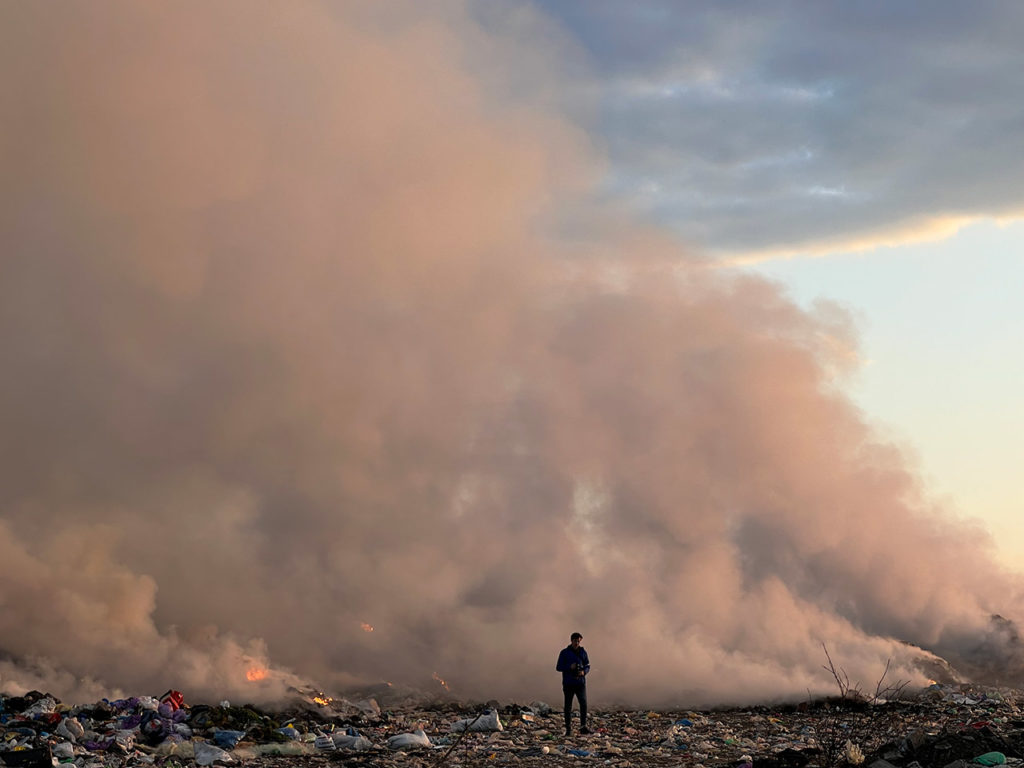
586, 663
563, 662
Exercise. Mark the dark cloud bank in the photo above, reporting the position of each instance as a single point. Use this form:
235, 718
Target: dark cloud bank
791, 126
289, 349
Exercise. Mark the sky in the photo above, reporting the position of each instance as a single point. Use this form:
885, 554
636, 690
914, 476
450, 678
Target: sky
350, 344
940, 368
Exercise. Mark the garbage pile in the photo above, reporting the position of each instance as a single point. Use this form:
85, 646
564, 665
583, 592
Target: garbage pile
943, 727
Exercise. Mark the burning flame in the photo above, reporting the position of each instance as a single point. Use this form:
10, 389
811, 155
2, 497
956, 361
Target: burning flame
255, 673
366, 627
323, 701
442, 682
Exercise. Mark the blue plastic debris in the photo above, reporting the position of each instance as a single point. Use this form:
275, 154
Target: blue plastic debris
227, 739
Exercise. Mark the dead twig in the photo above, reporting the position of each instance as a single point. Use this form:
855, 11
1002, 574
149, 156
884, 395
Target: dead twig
440, 761
842, 679
892, 691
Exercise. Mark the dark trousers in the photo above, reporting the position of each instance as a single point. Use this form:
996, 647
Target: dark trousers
580, 692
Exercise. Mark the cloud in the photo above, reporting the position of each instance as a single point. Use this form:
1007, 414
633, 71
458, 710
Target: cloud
739, 112
297, 341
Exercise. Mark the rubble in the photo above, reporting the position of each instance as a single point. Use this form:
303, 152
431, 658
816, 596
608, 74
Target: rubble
953, 726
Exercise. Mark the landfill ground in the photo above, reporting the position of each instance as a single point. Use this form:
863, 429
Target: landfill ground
957, 726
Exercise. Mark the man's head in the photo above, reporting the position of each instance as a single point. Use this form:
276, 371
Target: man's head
575, 639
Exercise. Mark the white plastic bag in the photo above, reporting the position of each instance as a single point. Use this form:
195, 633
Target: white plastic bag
149, 703
354, 743
70, 729
64, 752
413, 740
487, 723
208, 754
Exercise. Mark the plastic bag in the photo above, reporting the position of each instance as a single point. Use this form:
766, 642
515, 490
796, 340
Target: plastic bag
991, 758
70, 729
355, 743
413, 740
324, 742
483, 724
64, 752
227, 739
208, 754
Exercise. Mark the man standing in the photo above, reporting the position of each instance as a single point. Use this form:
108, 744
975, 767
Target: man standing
574, 664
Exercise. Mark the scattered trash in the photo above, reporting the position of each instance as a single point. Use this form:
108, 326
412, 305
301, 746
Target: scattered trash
946, 727
45, 706
676, 737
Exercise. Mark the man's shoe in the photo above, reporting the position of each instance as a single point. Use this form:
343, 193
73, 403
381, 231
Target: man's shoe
585, 731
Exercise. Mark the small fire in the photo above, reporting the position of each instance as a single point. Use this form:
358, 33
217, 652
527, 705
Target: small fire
255, 673
444, 685
366, 627
323, 701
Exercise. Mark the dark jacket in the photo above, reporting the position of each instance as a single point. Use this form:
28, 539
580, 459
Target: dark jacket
566, 659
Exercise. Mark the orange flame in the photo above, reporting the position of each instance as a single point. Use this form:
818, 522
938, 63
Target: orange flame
255, 673
366, 627
442, 682
323, 701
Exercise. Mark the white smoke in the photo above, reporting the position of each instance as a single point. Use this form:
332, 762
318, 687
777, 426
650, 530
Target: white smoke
308, 325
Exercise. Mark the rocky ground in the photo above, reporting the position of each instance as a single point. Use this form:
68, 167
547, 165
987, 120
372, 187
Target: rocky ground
933, 729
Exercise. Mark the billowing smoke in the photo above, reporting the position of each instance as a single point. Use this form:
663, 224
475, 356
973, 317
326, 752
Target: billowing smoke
307, 332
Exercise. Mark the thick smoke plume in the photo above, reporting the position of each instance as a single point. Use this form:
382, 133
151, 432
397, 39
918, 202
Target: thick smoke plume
306, 331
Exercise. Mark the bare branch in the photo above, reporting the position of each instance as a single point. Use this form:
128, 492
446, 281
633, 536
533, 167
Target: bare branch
890, 691
841, 678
